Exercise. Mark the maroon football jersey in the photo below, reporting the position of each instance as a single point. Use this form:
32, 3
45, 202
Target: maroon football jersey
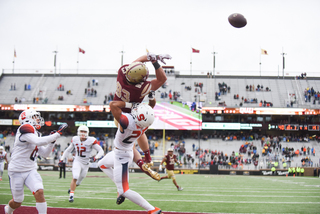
130, 93
170, 162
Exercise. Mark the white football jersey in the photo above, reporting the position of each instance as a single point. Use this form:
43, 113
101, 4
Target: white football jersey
126, 139
2, 156
83, 148
28, 143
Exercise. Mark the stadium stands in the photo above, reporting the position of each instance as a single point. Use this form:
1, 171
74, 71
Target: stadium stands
43, 86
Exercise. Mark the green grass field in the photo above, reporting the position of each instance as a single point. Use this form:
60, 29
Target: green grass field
202, 193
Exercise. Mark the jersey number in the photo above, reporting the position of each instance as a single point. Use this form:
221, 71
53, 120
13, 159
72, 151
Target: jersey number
80, 150
135, 134
34, 154
122, 93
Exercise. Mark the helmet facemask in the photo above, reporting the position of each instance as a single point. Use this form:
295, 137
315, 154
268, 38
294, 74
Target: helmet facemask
83, 132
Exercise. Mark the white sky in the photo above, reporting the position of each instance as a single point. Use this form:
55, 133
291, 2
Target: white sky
36, 28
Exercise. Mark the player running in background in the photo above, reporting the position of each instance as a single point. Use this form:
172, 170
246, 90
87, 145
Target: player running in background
83, 145
170, 159
116, 163
22, 169
132, 87
3, 157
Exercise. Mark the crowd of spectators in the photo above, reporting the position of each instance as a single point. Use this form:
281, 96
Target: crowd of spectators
13, 87
108, 98
310, 93
258, 88
60, 87
302, 76
27, 87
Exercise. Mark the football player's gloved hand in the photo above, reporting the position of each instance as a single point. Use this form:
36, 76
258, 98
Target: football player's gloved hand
62, 128
160, 167
151, 95
162, 57
151, 56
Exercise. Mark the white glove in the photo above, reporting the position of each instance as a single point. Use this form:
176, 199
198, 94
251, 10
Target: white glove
160, 167
151, 56
161, 57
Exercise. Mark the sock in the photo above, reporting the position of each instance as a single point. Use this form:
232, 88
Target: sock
138, 199
10, 210
147, 156
41, 207
71, 193
140, 163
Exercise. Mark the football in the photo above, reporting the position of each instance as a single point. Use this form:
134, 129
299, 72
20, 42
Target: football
237, 20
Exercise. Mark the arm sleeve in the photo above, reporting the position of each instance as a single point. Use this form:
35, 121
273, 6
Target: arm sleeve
39, 141
99, 149
45, 151
67, 151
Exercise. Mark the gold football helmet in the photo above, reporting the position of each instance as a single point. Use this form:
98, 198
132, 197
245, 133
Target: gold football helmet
137, 72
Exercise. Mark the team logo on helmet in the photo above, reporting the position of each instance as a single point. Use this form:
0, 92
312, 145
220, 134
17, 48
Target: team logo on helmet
31, 117
137, 72
143, 115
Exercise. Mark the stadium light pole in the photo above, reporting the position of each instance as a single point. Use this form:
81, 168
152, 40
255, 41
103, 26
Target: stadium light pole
55, 62
214, 63
283, 62
122, 52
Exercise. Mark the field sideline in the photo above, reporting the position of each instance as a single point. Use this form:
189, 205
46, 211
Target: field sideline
201, 194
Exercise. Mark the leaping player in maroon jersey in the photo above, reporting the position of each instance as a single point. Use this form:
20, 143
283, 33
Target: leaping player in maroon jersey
170, 159
132, 87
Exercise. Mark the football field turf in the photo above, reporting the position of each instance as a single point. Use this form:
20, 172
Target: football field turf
201, 194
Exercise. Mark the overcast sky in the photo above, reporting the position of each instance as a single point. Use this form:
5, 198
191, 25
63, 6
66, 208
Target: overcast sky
103, 28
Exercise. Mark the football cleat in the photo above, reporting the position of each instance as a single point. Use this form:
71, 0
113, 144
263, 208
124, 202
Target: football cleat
71, 199
152, 173
150, 163
6, 209
180, 189
120, 199
155, 211
69, 191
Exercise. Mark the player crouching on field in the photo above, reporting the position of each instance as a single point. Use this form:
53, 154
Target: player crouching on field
170, 159
116, 163
22, 169
83, 144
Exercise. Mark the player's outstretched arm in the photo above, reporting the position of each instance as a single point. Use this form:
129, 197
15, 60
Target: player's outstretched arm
39, 141
115, 107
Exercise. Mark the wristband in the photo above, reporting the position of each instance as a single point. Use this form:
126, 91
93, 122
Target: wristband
156, 65
128, 105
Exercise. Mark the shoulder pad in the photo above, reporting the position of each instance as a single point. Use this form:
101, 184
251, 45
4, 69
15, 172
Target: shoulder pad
27, 128
124, 122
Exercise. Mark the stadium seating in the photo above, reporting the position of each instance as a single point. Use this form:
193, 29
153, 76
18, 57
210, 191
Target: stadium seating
43, 86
